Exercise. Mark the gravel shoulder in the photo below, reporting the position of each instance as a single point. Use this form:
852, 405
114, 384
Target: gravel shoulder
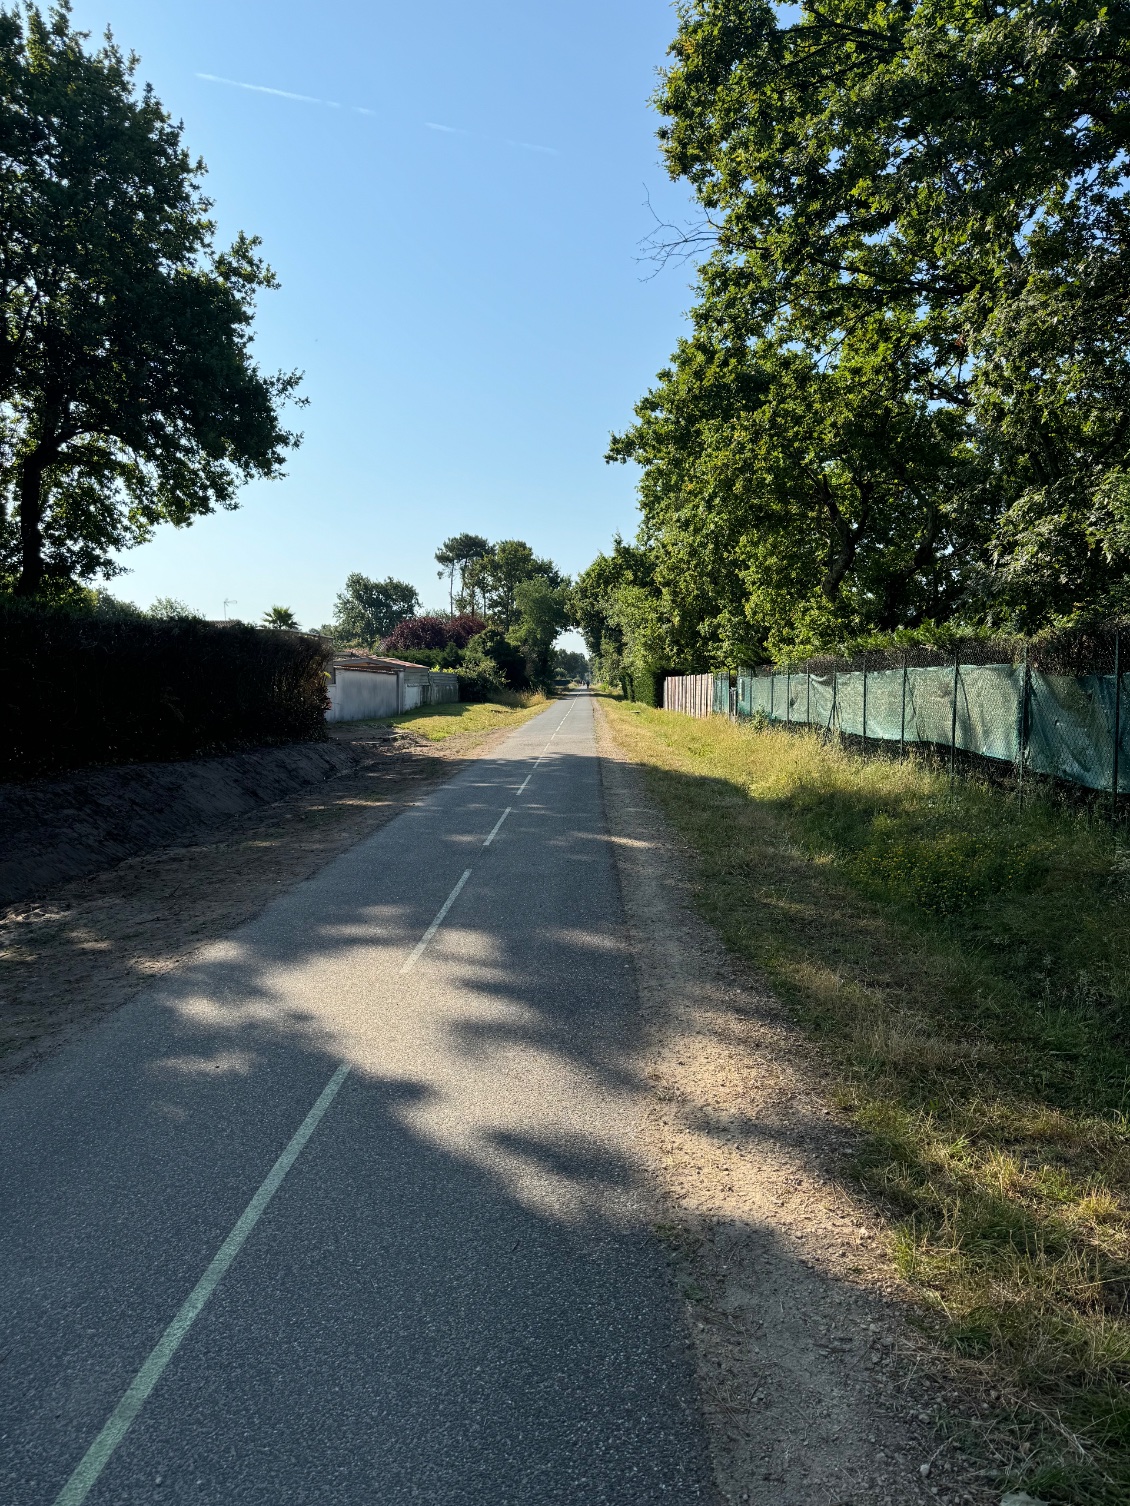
87, 946
817, 1389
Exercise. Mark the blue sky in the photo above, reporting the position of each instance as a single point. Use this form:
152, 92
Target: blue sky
454, 208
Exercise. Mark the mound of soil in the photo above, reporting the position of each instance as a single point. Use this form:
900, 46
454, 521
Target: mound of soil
80, 823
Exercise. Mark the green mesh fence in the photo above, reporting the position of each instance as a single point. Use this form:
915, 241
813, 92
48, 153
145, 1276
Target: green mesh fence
1055, 707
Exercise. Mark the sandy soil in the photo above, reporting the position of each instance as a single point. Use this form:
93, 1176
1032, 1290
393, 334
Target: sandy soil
92, 943
817, 1388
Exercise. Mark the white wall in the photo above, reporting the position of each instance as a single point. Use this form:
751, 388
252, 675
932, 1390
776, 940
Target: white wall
358, 695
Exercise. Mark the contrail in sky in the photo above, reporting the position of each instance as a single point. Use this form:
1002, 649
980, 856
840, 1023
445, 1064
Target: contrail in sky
525, 146
332, 104
304, 99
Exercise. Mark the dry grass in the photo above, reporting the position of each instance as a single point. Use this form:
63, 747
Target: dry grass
966, 966
437, 723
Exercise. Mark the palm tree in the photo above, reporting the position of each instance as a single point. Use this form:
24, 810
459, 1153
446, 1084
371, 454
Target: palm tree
280, 617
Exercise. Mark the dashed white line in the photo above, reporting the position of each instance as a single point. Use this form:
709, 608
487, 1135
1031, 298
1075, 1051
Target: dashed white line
497, 824
98, 1455
414, 954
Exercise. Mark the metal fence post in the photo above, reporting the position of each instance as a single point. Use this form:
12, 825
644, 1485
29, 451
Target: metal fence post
953, 714
772, 691
1023, 738
1117, 722
835, 698
902, 724
865, 703
789, 694
808, 703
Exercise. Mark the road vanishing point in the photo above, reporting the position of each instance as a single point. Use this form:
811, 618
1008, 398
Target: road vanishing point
351, 1208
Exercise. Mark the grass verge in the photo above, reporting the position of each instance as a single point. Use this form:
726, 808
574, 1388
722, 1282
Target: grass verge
965, 965
437, 723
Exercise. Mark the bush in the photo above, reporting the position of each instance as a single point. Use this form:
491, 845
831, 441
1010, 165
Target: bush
433, 633
643, 685
416, 632
435, 658
493, 651
479, 684
79, 688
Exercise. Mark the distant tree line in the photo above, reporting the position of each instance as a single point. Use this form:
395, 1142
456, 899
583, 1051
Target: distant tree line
903, 400
506, 609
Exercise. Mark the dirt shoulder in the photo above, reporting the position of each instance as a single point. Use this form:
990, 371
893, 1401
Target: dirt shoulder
90, 944
816, 1387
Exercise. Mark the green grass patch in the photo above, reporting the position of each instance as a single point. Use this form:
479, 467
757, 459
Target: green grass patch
437, 723
965, 963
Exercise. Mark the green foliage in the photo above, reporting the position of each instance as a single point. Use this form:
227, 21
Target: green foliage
368, 610
616, 604
527, 601
964, 964
903, 397
128, 396
280, 617
482, 682
168, 608
643, 685
502, 570
455, 556
573, 665
82, 687
492, 653
542, 614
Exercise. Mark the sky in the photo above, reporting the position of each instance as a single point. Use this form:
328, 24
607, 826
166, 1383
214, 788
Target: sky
454, 198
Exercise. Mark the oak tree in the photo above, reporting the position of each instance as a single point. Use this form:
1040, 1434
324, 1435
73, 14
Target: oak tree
128, 391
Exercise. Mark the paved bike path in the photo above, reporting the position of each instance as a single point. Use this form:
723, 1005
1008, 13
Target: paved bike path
452, 1296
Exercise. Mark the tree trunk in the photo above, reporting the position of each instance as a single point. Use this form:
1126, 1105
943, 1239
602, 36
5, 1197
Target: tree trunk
31, 530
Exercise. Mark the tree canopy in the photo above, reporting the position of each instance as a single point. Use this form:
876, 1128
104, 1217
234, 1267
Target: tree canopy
280, 617
903, 396
128, 392
368, 610
512, 606
454, 556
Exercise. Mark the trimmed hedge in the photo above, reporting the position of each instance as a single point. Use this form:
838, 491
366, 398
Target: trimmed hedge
79, 689
643, 685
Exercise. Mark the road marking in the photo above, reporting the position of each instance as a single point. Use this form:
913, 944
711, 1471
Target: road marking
98, 1455
100, 1452
528, 777
414, 954
544, 751
497, 824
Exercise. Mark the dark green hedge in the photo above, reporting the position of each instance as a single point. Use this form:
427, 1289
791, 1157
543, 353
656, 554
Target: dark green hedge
644, 685
77, 688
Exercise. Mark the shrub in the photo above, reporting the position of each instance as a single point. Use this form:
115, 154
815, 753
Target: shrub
643, 685
493, 651
80, 688
417, 632
461, 629
434, 634
479, 684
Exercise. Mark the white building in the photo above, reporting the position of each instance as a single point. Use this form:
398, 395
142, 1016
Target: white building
364, 687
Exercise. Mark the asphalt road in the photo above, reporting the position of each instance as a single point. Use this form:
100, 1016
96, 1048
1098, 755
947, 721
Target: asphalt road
445, 1291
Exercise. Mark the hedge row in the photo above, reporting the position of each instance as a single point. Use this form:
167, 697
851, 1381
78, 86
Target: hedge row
644, 685
79, 689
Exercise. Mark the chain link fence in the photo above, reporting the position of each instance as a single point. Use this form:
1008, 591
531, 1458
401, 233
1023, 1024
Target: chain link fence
1051, 708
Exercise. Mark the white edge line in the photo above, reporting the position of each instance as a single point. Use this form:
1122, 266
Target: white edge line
98, 1455
414, 954
497, 824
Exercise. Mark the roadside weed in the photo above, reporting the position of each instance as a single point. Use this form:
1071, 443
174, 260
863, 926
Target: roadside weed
965, 964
